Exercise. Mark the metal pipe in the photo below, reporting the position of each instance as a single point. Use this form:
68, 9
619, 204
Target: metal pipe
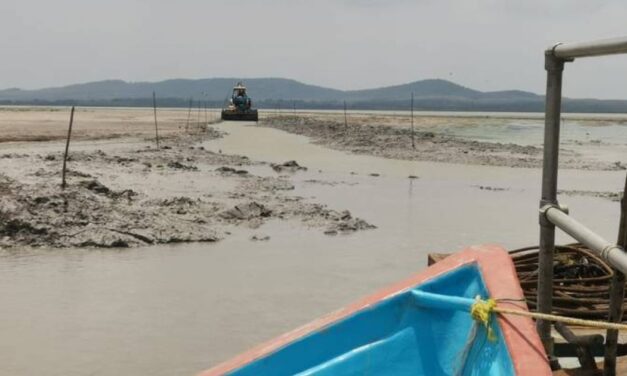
592, 48
613, 254
554, 68
617, 295
551, 215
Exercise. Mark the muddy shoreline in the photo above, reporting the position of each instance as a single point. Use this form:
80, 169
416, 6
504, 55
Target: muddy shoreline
112, 201
369, 137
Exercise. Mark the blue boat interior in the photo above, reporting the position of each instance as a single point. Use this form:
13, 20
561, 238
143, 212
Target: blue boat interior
396, 336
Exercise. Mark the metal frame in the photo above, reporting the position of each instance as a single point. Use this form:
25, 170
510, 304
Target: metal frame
552, 214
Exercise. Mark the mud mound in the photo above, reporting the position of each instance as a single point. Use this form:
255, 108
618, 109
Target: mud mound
289, 166
180, 166
380, 139
246, 211
90, 214
108, 202
230, 170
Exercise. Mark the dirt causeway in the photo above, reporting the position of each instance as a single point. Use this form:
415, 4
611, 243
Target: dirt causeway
381, 135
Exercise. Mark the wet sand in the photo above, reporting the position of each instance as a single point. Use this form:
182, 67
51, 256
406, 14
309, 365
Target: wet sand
128, 196
175, 309
19, 123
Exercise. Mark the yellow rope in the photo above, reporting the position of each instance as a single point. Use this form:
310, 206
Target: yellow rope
481, 311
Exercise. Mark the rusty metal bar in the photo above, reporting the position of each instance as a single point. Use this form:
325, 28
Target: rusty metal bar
582, 343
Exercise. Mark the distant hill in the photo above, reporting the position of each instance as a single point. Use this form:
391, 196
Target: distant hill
433, 94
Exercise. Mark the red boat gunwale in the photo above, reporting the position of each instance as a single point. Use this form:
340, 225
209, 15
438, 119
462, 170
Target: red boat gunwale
499, 274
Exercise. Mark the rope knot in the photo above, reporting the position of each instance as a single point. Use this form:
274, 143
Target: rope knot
481, 311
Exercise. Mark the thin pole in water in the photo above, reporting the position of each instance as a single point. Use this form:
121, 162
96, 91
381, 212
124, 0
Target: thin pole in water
67, 148
189, 114
413, 142
345, 118
198, 124
154, 106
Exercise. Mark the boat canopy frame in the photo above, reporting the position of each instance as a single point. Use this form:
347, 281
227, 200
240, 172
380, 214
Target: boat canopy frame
553, 214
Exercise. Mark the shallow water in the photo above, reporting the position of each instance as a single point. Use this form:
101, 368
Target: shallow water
531, 132
175, 310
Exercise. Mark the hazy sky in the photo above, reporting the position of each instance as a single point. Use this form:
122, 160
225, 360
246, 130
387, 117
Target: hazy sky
345, 44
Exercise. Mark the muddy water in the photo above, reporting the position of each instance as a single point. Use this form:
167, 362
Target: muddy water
174, 310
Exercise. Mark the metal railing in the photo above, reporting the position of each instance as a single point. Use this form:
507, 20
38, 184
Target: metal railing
552, 215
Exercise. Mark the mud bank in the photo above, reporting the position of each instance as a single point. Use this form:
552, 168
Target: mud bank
363, 136
608, 195
135, 196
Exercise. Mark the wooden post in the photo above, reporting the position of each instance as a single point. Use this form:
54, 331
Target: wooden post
345, 118
617, 295
206, 119
189, 113
67, 148
154, 106
198, 123
413, 142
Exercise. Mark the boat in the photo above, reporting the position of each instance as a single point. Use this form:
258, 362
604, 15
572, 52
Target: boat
240, 106
420, 326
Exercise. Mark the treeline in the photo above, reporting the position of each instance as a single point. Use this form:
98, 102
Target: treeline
420, 104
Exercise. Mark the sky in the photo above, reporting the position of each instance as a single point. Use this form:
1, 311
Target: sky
345, 44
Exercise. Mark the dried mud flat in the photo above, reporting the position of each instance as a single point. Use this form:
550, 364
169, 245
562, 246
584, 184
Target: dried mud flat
136, 195
377, 136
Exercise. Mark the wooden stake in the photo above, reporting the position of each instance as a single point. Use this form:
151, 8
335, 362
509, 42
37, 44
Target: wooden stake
413, 142
154, 106
189, 113
345, 118
198, 123
67, 148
